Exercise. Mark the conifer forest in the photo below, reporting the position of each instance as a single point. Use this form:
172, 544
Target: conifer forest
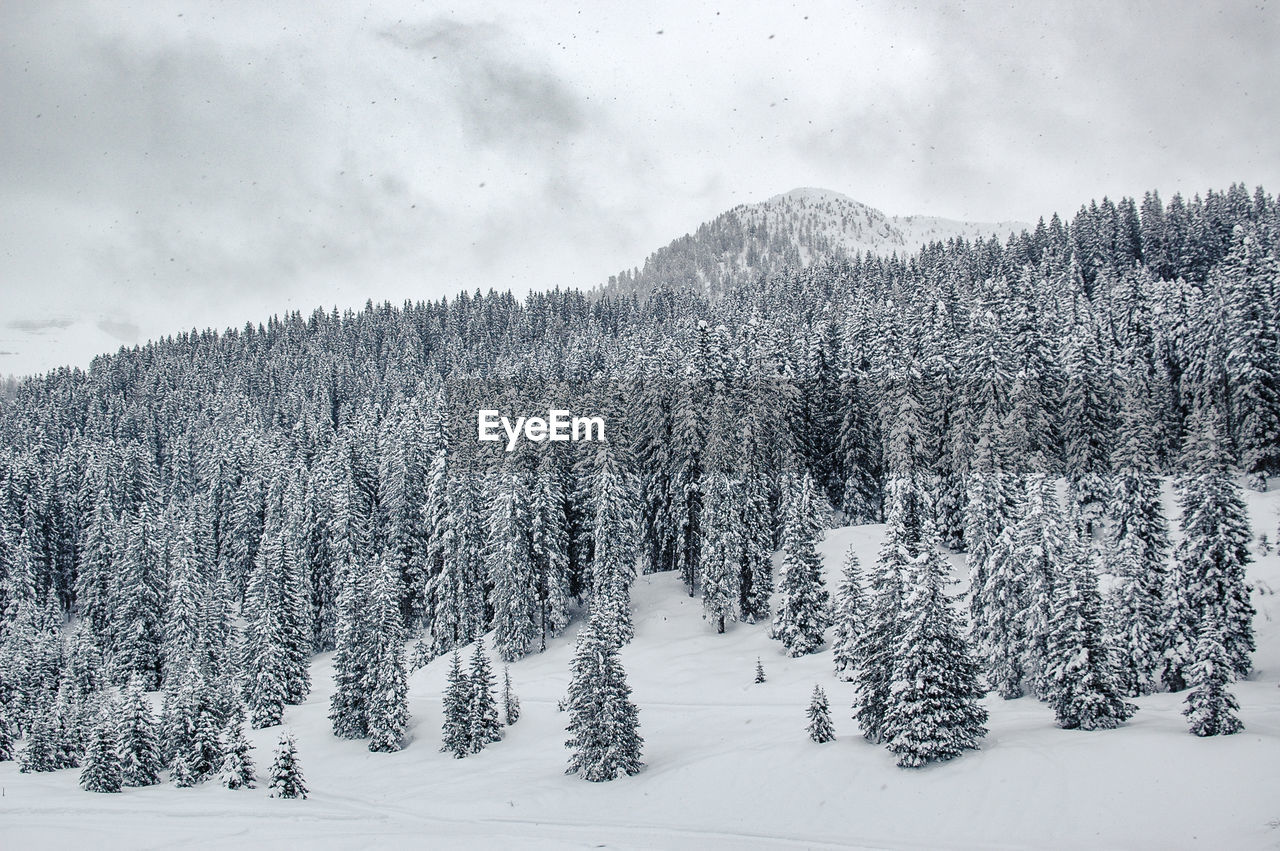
187, 524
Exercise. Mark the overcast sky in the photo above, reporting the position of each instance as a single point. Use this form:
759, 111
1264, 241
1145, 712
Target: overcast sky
215, 162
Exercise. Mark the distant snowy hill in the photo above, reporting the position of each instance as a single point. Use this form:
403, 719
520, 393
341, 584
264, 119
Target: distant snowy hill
797, 228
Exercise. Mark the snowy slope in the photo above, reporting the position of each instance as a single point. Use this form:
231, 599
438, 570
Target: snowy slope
728, 764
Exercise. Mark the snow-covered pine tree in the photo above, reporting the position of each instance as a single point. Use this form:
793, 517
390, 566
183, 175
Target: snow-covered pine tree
685, 453
1084, 688
102, 770
6, 736
615, 536
850, 619
137, 614
296, 626
510, 703
820, 729
1246, 283
878, 647
759, 671
286, 773
755, 583
604, 737
720, 554
237, 771
1138, 539
998, 584
266, 681
721, 546
456, 704
859, 445
349, 705
550, 547
388, 689
95, 568
484, 726
1039, 542
1087, 424
455, 569
1214, 550
192, 725
40, 753
934, 713
517, 616
139, 751
1211, 707
803, 611
183, 601
73, 723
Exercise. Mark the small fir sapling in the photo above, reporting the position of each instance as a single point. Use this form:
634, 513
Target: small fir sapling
820, 729
286, 773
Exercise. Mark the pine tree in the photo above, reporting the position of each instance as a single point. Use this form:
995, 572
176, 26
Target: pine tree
286, 773
510, 703
41, 750
455, 576
484, 725
1086, 417
73, 721
517, 617
6, 736
550, 547
1246, 281
998, 584
803, 605
759, 671
614, 536
349, 705
1138, 541
1213, 552
720, 555
265, 653
1211, 707
878, 647
820, 729
237, 770
192, 725
604, 737
1039, 548
389, 691
1085, 691
934, 712
139, 751
850, 620
138, 614
456, 704
102, 767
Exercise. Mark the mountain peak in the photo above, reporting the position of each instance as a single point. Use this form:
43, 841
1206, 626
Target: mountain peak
811, 193
795, 229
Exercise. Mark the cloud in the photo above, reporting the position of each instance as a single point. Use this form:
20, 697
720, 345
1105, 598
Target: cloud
125, 332
38, 326
206, 168
503, 96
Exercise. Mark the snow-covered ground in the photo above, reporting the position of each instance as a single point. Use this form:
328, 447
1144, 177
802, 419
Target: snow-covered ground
728, 764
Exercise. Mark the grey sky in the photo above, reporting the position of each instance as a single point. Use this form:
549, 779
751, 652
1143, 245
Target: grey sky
164, 166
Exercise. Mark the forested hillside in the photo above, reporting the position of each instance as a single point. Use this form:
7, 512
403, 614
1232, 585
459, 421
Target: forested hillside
204, 513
